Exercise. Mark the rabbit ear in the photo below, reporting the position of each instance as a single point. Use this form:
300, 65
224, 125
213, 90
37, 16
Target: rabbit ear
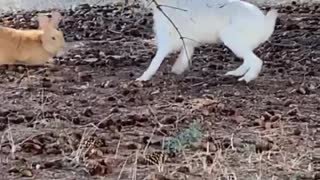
43, 22
55, 18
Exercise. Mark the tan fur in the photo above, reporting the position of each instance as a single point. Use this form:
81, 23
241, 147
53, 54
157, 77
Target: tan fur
34, 47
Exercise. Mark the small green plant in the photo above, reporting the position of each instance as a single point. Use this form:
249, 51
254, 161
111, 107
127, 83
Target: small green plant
182, 140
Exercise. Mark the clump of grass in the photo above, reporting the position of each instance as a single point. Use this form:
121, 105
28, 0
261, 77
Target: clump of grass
183, 139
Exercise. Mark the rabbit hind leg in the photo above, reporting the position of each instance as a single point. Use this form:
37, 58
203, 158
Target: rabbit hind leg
252, 64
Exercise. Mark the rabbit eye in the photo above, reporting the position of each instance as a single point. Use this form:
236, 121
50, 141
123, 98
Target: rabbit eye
53, 38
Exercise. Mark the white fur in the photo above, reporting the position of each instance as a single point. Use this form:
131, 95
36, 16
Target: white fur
241, 26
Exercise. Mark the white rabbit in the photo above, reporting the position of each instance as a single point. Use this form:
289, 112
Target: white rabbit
240, 25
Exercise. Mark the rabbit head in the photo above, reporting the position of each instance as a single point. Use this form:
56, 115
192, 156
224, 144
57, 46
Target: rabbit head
52, 39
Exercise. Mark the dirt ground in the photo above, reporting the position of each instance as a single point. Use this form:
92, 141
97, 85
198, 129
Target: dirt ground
86, 118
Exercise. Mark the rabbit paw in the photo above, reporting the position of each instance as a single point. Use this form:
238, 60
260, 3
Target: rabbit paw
249, 76
180, 66
143, 78
49, 65
177, 70
240, 71
253, 72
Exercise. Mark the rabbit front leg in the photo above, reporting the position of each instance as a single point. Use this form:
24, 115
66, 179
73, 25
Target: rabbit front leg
167, 42
182, 63
154, 66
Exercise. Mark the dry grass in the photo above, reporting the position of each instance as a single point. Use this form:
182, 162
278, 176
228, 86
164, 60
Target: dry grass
212, 162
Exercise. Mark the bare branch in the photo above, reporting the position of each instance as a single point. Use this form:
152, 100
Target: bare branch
172, 7
158, 6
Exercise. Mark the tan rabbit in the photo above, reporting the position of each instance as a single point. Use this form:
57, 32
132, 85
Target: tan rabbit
32, 47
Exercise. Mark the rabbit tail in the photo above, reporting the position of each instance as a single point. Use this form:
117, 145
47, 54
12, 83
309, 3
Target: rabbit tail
270, 22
